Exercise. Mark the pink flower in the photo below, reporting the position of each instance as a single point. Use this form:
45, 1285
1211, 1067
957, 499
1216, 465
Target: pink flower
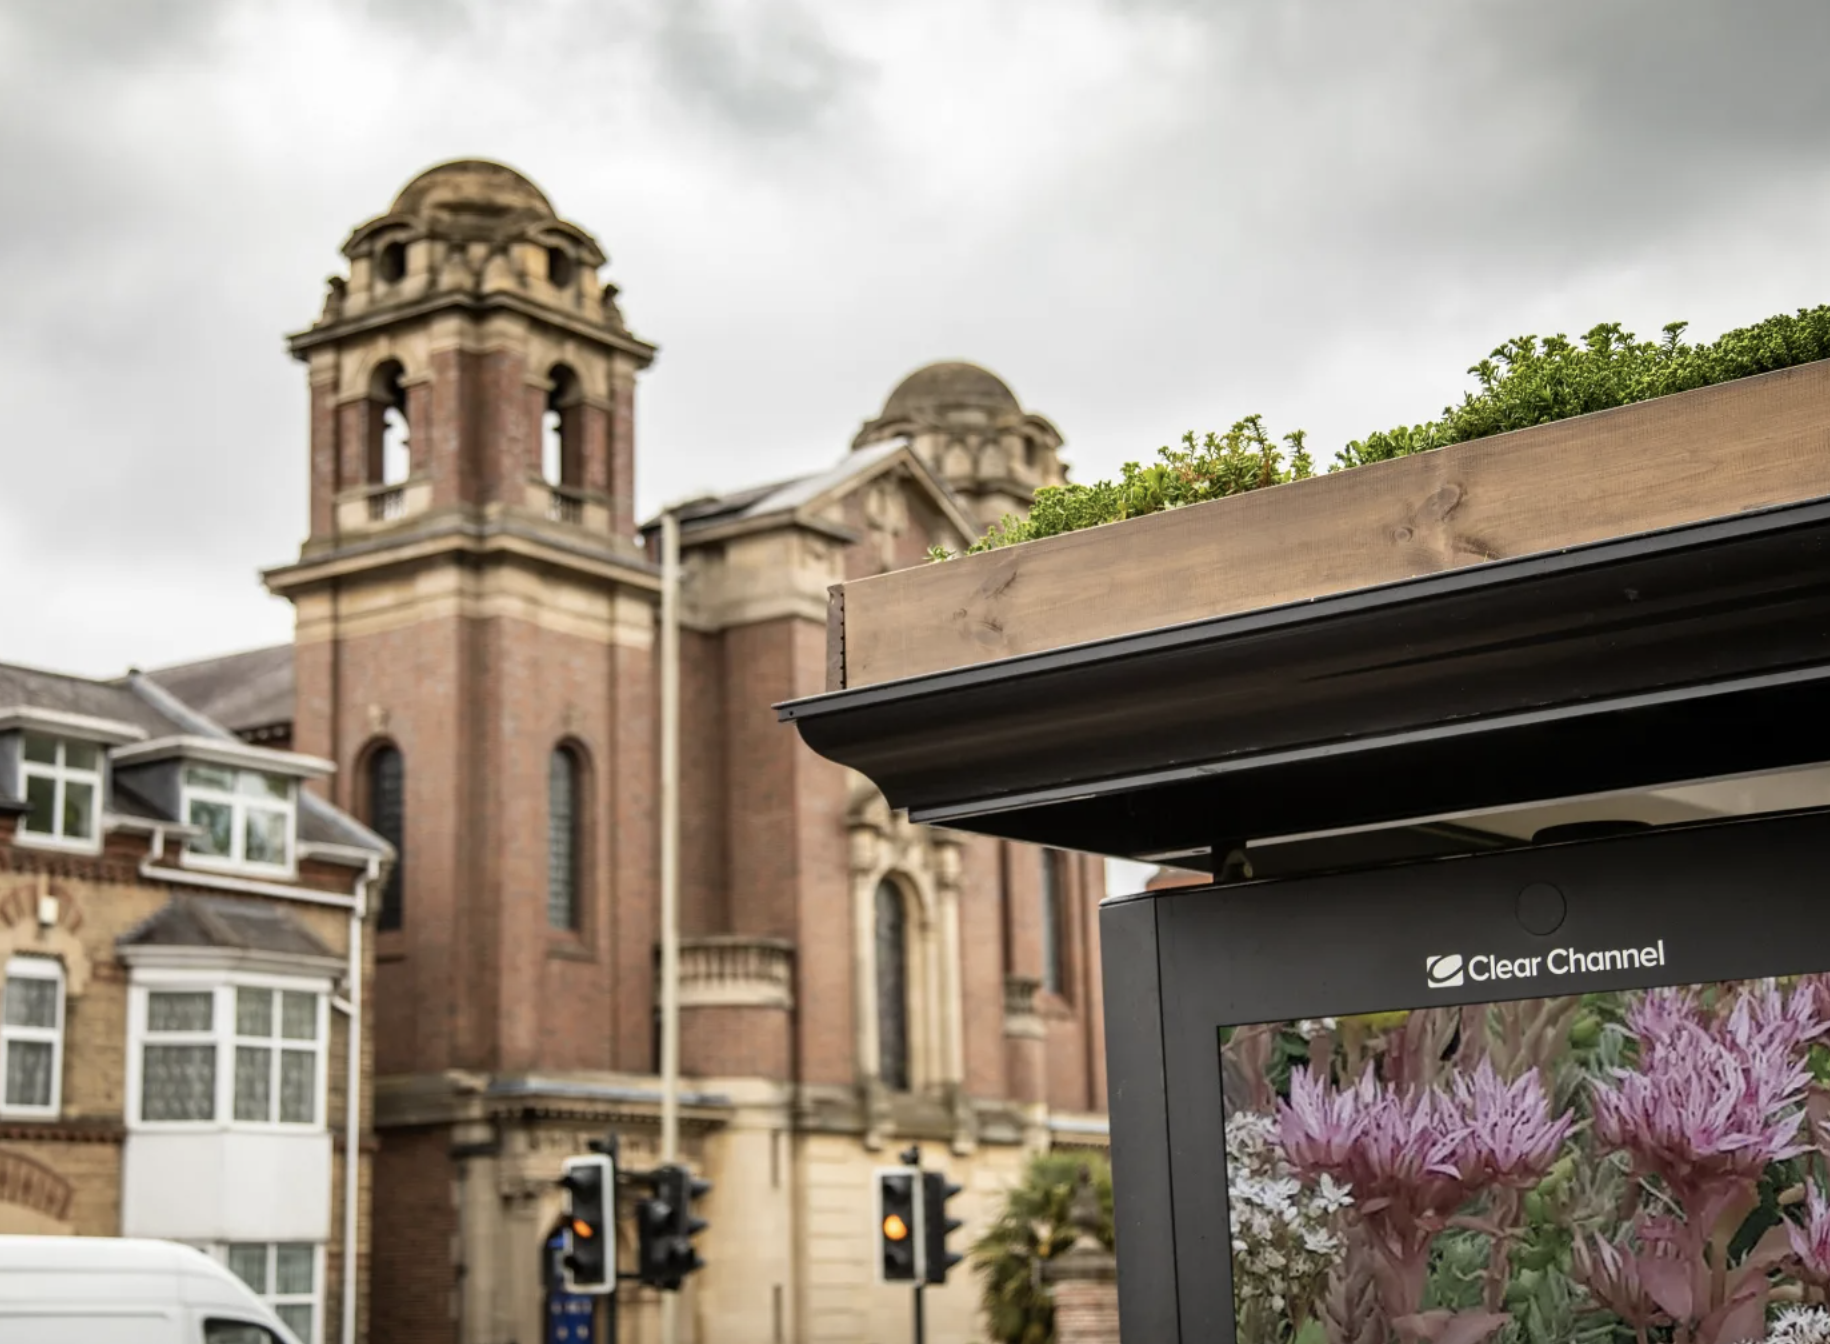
1811, 1243
1712, 1101
1511, 1134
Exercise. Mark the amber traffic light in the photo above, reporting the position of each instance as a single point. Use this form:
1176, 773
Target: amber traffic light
898, 1225
585, 1259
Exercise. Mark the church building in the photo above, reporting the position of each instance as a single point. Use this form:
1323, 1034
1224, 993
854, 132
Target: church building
476, 653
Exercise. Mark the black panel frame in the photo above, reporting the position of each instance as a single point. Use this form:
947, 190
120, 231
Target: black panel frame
1224, 957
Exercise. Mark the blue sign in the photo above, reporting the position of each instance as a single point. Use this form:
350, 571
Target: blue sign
571, 1318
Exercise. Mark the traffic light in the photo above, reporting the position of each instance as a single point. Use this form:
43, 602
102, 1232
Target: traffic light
588, 1258
665, 1227
899, 1241
936, 1226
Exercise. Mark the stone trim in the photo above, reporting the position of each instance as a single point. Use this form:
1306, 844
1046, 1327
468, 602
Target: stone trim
1021, 1019
736, 971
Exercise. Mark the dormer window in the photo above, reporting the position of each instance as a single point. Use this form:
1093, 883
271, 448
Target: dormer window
245, 817
63, 790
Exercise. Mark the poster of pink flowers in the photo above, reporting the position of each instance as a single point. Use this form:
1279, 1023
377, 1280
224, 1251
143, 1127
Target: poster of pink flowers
1637, 1167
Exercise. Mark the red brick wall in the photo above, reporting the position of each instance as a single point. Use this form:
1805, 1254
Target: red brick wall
1086, 1313
981, 953
415, 1223
704, 886
324, 472
635, 866
734, 1042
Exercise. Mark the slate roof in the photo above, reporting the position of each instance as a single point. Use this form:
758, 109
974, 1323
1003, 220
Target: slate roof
150, 703
778, 497
37, 689
240, 691
220, 921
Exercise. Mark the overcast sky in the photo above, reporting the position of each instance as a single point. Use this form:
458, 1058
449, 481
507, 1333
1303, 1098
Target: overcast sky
1147, 217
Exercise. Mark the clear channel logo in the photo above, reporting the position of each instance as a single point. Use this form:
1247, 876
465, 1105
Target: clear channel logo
1445, 971
1451, 970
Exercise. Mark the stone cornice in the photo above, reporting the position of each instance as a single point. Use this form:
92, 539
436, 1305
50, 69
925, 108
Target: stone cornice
301, 343
454, 534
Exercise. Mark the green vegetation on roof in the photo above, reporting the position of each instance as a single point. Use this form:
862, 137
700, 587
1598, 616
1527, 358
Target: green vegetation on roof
1524, 382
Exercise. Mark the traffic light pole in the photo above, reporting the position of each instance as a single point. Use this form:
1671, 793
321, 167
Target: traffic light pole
911, 1157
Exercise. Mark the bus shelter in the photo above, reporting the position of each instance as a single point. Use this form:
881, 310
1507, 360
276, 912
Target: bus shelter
1510, 768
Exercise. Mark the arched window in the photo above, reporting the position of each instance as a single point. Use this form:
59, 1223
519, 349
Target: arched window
892, 987
387, 813
562, 847
389, 458
561, 448
1054, 924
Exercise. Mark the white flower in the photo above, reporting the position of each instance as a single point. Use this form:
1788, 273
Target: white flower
1283, 1234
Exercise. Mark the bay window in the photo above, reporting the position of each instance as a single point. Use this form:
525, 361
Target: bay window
245, 816
63, 790
246, 1055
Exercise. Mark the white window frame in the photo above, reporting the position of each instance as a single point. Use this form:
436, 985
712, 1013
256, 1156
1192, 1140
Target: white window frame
35, 968
239, 805
223, 1035
61, 775
275, 1300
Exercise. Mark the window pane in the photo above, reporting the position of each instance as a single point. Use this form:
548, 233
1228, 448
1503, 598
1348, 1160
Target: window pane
249, 1264
256, 785
79, 809
41, 749
31, 1001
253, 1083
217, 822
562, 841
180, 1010
293, 1270
298, 1087
209, 777
296, 1317
892, 988
387, 812
264, 836
40, 804
179, 1083
81, 755
28, 1073
254, 1012
299, 1016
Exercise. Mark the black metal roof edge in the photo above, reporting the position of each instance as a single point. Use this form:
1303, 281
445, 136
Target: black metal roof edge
1491, 574
990, 804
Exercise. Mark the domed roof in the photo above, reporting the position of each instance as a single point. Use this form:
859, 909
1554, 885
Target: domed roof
946, 385
488, 193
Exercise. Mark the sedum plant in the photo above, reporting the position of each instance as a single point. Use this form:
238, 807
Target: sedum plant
1524, 381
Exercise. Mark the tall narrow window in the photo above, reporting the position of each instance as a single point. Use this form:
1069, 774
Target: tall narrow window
32, 1037
387, 817
1054, 959
892, 987
561, 459
562, 839
390, 458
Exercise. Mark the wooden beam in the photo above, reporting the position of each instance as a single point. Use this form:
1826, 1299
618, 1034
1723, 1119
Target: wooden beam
1679, 459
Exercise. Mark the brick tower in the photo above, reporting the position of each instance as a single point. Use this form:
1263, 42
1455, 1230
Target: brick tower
474, 632
476, 651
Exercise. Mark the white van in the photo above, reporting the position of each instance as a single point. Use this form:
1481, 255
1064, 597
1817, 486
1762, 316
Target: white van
115, 1290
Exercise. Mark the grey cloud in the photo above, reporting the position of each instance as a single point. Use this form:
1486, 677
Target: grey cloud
767, 69
111, 34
